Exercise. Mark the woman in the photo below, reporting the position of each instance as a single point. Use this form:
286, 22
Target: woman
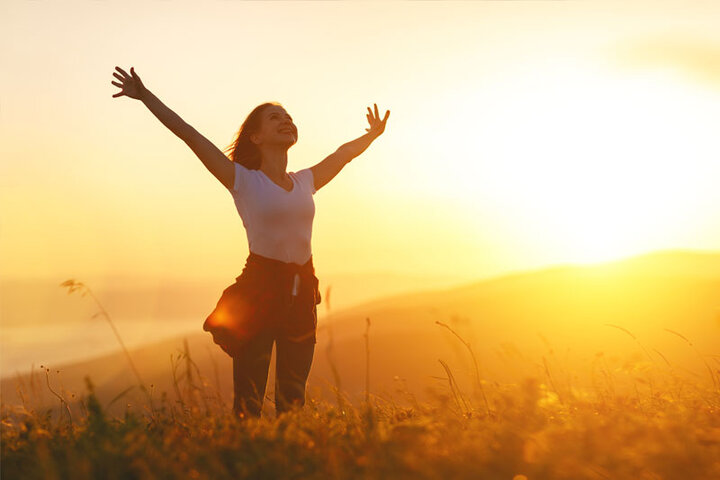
274, 300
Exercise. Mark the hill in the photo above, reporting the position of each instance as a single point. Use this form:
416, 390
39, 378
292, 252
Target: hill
563, 324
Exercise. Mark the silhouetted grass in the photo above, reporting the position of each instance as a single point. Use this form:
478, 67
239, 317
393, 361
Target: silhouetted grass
540, 428
530, 432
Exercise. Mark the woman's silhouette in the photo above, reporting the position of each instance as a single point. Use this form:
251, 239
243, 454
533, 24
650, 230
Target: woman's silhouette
274, 300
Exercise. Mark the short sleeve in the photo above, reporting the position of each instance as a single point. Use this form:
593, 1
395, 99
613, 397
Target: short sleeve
306, 176
239, 182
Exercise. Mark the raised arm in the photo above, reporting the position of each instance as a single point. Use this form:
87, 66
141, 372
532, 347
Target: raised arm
211, 156
326, 170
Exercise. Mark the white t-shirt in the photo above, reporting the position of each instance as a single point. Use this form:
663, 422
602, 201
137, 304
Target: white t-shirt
278, 223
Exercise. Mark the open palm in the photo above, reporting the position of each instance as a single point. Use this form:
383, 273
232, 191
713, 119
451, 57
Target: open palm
377, 126
131, 85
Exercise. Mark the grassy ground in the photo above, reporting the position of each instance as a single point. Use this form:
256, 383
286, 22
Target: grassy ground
527, 430
644, 420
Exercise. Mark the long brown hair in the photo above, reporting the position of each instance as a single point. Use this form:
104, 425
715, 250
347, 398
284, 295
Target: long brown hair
242, 150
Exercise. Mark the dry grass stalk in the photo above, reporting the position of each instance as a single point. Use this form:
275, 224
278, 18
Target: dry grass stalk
475, 362
73, 285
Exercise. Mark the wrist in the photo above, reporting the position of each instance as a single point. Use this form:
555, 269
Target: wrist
144, 94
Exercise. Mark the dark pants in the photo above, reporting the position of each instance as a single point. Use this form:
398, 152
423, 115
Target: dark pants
250, 372
270, 301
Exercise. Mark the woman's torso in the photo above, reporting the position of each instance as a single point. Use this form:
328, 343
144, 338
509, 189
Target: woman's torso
278, 223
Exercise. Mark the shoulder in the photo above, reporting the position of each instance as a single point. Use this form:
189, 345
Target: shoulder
242, 173
305, 176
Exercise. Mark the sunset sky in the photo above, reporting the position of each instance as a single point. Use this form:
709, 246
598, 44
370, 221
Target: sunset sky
521, 134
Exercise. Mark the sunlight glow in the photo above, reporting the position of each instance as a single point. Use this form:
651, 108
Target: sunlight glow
600, 165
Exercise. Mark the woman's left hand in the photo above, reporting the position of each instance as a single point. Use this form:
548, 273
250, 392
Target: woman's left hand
377, 126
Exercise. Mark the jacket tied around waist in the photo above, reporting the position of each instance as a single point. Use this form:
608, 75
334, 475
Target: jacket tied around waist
268, 294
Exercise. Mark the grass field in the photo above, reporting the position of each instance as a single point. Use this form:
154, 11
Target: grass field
640, 420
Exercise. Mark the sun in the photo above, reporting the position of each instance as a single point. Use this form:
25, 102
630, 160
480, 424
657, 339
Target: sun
595, 165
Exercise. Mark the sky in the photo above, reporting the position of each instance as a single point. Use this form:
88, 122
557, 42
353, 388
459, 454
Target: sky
521, 134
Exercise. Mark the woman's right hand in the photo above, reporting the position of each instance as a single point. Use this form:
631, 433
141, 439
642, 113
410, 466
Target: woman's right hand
131, 85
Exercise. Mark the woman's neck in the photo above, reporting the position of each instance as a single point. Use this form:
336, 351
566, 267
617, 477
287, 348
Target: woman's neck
274, 162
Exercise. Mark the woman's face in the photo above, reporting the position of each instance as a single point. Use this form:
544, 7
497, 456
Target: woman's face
277, 128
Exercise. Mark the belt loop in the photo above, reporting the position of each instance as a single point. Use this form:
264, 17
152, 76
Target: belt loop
296, 283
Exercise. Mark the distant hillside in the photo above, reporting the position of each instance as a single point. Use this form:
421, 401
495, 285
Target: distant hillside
565, 309
643, 292
675, 263
552, 321
28, 302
